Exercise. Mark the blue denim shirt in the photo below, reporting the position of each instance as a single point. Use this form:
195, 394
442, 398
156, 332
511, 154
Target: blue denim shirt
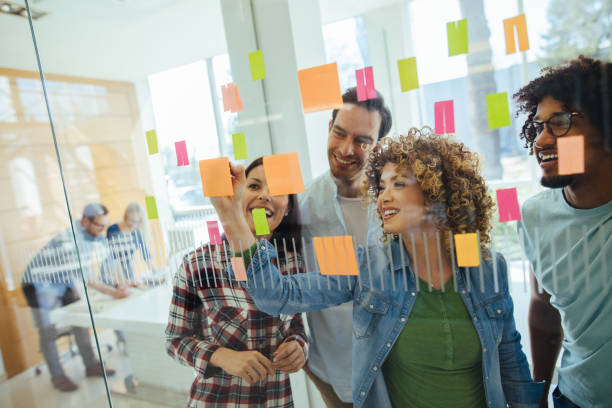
383, 296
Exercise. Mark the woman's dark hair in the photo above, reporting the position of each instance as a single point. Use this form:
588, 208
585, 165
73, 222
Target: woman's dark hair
289, 228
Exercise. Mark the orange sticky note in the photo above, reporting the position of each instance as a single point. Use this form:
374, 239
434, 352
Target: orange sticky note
216, 177
231, 98
571, 154
320, 88
239, 269
468, 252
520, 23
336, 255
283, 174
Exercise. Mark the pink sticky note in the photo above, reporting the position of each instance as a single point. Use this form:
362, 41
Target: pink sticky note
507, 205
213, 233
239, 269
182, 158
571, 154
365, 84
444, 112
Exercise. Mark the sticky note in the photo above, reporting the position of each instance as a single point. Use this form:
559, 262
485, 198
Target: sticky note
256, 63
238, 268
320, 88
152, 141
408, 73
520, 23
231, 98
240, 150
182, 158
336, 255
283, 174
260, 221
457, 35
468, 251
571, 154
214, 237
216, 177
151, 207
444, 113
498, 111
507, 205
365, 84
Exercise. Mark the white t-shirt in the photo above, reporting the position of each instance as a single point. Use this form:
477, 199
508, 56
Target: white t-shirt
355, 217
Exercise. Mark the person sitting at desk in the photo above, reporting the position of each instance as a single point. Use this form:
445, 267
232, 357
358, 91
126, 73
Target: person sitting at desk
49, 283
241, 355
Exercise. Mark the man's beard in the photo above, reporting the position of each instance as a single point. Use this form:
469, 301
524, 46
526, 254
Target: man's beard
557, 181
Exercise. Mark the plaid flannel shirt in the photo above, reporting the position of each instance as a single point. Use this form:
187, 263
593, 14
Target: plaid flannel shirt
210, 309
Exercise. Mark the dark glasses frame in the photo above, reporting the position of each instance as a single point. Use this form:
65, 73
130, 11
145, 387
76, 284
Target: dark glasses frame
537, 126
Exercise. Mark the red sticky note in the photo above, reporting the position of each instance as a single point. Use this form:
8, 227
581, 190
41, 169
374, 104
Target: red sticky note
336, 255
444, 113
468, 251
213, 233
507, 205
571, 154
320, 88
182, 158
216, 177
283, 174
239, 269
231, 98
365, 84
520, 23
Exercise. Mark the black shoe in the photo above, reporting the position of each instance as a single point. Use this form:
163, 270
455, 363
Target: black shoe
64, 384
95, 370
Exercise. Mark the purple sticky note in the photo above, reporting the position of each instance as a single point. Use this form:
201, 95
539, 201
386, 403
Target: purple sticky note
365, 84
213, 233
444, 112
507, 205
182, 158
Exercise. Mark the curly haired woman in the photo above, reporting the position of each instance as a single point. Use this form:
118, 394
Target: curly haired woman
426, 333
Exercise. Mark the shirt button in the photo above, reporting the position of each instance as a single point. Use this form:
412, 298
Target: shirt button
362, 393
263, 247
388, 344
403, 319
475, 319
374, 368
484, 350
463, 292
371, 306
498, 311
413, 294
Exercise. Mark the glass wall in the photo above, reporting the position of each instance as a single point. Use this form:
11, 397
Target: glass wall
126, 103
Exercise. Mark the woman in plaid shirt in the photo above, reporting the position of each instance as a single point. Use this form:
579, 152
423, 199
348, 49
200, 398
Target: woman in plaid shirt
242, 356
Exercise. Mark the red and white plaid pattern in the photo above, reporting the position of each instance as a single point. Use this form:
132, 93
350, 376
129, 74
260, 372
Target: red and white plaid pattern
210, 309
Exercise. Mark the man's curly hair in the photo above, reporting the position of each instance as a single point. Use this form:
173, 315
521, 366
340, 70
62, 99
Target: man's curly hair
447, 172
582, 85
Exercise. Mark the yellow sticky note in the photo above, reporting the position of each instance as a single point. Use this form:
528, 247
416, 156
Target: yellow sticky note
408, 73
216, 177
498, 111
320, 88
152, 141
260, 221
467, 248
520, 23
571, 154
336, 255
151, 207
256, 63
457, 35
240, 149
283, 174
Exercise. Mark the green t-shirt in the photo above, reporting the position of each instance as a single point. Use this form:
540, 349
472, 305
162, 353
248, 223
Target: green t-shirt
437, 360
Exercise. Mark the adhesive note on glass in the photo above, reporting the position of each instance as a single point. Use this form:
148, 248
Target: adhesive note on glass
213, 233
520, 23
152, 141
260, 221
240, 149
457, 35
283, 174
507, 205
182, 158
216, 177
151, 207
365, 84
256, 63
467, 249
408, 73
444, 113
498, 111
238, 268
336, 255
320, 88
231, 98
571, 154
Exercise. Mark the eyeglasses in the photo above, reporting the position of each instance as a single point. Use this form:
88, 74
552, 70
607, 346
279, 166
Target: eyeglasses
558, 125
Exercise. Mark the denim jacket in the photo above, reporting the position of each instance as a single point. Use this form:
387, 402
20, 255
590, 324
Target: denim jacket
383, 295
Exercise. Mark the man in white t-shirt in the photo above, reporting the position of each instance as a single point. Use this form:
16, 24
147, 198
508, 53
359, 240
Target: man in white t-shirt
332, 205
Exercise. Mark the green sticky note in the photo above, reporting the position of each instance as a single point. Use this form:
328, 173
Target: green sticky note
261, 222
152, 141
256, 62
408, 73
240, 150
457, 34
151, 207
497, 110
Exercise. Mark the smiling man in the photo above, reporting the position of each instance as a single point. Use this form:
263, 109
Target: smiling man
567, 232
332, 206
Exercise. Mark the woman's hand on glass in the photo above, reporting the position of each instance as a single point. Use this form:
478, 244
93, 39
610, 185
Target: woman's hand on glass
289, 357
251, 366
230, 206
